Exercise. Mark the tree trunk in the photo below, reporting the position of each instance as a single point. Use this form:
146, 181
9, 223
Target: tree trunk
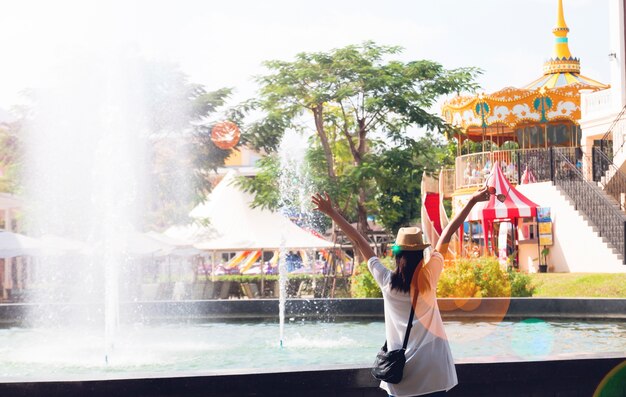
319, 126
362, 225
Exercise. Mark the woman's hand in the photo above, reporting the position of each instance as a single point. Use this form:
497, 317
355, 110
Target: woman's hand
323, 204
442, 243
482, 194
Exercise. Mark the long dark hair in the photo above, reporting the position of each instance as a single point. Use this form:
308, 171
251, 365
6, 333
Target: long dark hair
406, 263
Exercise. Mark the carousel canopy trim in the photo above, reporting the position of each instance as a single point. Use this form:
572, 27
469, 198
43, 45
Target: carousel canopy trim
512, 107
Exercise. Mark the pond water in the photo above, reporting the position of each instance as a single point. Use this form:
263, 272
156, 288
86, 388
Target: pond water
60, 353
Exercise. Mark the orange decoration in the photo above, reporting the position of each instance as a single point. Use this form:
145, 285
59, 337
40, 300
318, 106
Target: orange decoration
225, 135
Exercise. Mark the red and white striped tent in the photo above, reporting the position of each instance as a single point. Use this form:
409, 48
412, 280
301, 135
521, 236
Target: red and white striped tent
515, 205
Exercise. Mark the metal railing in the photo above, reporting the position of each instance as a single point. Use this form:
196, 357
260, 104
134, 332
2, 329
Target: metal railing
536, 162
449, 185
473, 169
614, 184
609, 133
564, 167
611, 145
610, 222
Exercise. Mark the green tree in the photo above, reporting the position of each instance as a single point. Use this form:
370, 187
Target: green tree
180, 115
10, 158
358, 101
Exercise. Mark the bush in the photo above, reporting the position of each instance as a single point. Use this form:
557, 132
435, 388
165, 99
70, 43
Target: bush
482, 277
466, 277
255, 278
521, 284
363, 284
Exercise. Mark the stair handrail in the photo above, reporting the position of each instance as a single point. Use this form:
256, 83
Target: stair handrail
605, 137
614, 123
609, 221
618, 186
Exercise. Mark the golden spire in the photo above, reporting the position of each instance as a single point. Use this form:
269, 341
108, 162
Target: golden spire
561, 49
562, 60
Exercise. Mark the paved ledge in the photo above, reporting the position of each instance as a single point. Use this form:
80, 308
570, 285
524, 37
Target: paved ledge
551, 378
330, 309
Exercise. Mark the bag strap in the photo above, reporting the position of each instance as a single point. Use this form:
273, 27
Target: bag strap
410, 323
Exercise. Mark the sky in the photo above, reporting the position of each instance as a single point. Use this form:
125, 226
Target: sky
223, 43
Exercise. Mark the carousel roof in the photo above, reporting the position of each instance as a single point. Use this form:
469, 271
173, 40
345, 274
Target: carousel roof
558, 80
562, 69
554, 96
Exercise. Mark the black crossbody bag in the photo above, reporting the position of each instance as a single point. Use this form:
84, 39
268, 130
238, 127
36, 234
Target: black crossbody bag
389, 365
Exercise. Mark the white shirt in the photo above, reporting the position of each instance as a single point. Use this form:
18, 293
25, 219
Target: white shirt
429, 363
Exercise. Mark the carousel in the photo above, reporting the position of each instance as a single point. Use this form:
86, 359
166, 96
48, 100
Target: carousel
513, 130
541, 114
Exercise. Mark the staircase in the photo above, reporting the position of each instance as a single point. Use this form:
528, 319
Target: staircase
587, 219
609, 160
604, 212
577, 243
613, 182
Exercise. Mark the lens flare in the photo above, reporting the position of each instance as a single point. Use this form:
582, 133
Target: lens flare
613, 383
532, 338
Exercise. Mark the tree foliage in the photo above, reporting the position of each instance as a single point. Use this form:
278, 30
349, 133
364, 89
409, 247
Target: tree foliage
181, 117
11, 153
177, 115
360, 106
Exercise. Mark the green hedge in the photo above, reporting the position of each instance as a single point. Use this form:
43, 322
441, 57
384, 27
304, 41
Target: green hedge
465, 277
254, 278
363, 284
482, 277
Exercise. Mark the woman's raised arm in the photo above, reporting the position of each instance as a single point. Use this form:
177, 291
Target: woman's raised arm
457, 221
324, 204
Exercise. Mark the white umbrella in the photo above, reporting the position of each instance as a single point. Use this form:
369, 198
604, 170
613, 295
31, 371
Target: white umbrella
56, 245
181, 248
15, 244
139, 244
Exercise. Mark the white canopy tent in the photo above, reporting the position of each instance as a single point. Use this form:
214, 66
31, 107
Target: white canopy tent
15, 244
140, 244
180, 248
233, 225
56, 245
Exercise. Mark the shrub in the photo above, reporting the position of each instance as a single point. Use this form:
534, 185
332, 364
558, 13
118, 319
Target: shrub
521, 284
465, 277
255, 278
482, 277
363, 284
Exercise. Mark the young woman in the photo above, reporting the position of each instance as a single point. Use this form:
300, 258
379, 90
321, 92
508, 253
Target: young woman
429, 369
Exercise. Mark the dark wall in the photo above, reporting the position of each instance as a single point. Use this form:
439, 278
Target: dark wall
559, 378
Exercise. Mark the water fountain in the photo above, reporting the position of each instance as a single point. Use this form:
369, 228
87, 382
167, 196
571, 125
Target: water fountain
295, 192
85, 151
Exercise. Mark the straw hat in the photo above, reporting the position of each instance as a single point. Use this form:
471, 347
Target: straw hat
410, 239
